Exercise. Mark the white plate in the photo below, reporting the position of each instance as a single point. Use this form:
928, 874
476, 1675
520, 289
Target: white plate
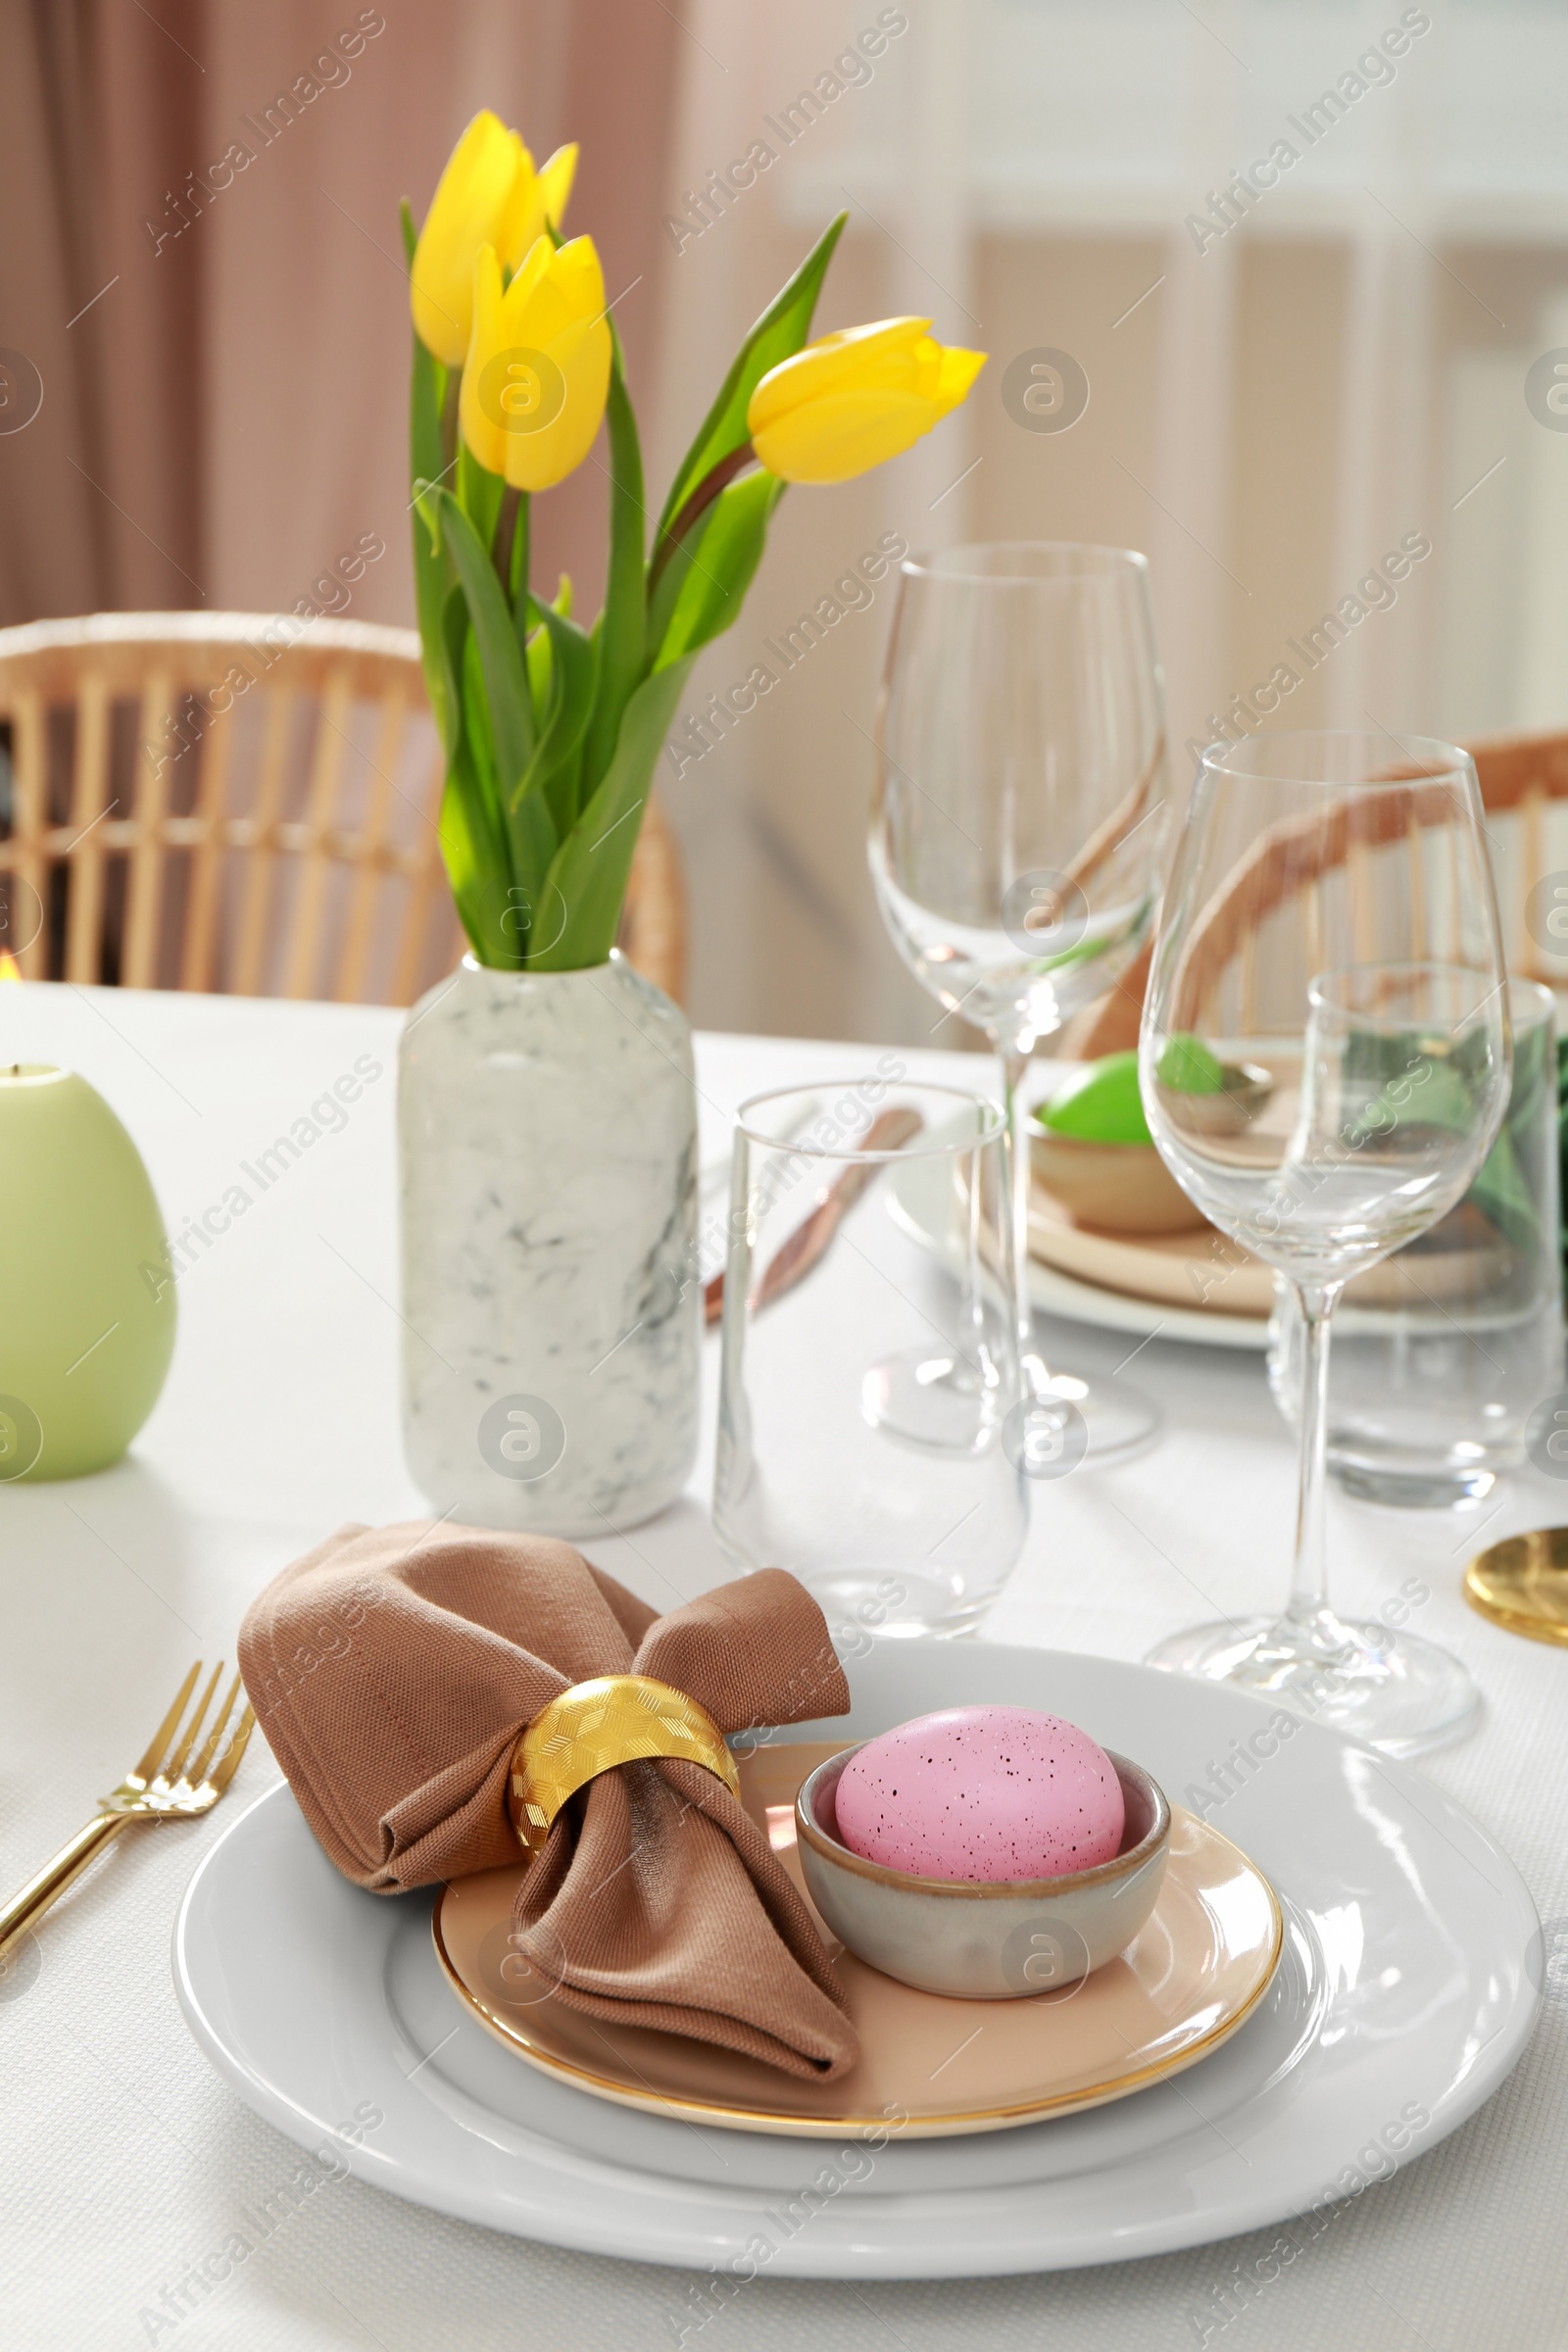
918, 1199
1407, 1990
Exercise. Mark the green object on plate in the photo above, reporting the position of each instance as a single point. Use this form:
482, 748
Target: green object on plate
1188, 1068
88, 1322
1429, 1082
1101, 1105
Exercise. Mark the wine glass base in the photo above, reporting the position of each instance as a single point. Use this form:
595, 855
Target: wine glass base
1062, 1423
1398, 1693
1117, 1421
928, 1397
1415, 1490
931, 1399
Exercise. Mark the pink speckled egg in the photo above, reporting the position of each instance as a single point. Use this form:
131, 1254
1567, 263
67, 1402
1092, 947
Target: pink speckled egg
982, 1793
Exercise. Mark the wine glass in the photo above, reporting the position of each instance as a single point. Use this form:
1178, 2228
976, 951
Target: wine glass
1015, 839
1325, 1062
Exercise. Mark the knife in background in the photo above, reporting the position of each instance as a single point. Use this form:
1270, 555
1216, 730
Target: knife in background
811, 1238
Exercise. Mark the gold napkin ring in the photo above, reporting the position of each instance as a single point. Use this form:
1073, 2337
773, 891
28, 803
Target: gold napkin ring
593, 1727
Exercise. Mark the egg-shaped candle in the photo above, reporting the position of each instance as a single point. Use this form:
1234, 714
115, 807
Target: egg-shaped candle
982, 1793
86, 1295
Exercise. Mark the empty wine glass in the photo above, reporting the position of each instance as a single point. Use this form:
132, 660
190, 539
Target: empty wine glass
1016, 832
1325, 1062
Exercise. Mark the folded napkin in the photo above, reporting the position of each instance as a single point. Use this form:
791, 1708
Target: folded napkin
393, 1670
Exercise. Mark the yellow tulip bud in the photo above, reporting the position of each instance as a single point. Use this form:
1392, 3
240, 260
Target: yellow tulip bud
489, 194
856, 399
537, 370
552, 188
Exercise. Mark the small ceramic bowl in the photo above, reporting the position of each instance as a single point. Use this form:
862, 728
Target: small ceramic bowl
984, 1940
1120, 1188
1230, 1110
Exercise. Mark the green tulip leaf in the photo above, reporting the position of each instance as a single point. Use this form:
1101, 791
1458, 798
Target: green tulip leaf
715, 566
622, 630
432, 573
573, 666
517, 575
480, 494
424, 504
533, 842
778, 334
665, 591
477, 717
539, 654
527, 823
587, 883
430, 593
537, 650
474, 737
427, 387
474, 853
512, 726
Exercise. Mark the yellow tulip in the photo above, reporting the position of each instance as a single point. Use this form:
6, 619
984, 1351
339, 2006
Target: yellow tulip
856, 399
489, 194
537, 370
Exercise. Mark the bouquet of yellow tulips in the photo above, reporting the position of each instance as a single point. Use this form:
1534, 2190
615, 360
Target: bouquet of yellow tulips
551, 731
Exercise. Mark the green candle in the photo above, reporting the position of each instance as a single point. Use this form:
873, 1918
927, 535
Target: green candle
87, 1306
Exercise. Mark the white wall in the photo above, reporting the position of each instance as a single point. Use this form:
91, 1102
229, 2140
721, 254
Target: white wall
1338, 371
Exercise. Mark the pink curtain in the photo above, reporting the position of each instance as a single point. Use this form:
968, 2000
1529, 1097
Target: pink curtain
204, 270
102, 492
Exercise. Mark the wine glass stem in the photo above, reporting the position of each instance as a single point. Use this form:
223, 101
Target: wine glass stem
1031, 1363
1308, 1581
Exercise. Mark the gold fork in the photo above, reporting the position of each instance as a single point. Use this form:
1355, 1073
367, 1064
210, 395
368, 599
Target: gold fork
166, 1786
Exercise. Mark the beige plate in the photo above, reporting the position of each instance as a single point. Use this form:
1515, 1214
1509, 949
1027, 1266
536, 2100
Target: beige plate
1198, 1969
1464, 1257
1199, 1268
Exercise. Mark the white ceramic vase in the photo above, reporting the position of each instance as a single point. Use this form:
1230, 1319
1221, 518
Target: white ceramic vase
548, 1139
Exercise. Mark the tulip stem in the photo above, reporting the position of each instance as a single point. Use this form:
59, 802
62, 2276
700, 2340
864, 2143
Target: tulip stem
506, 545
701, 499
522, 553
448, 418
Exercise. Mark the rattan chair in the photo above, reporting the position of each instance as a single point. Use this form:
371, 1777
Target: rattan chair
245, 804
1524, 787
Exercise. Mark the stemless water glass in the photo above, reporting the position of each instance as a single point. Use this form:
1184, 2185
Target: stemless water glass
825, 1305
1325, 1061
1442, 1355
1016, 829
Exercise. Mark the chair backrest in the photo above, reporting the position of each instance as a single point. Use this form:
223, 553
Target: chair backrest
1524, 789
243, 803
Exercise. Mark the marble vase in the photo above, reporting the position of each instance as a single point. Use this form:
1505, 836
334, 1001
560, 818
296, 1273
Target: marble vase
547, 1129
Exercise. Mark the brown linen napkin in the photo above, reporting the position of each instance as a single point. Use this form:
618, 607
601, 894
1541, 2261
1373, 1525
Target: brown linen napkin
392, 1671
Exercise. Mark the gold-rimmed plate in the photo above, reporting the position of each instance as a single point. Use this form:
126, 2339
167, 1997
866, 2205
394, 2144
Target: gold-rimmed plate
1192, 1977
1522, 1583
1464, 1257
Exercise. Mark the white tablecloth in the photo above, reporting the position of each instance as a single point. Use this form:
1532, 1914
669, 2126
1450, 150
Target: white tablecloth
127, 2161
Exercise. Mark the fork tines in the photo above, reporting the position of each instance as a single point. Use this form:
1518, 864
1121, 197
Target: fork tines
172, 1764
